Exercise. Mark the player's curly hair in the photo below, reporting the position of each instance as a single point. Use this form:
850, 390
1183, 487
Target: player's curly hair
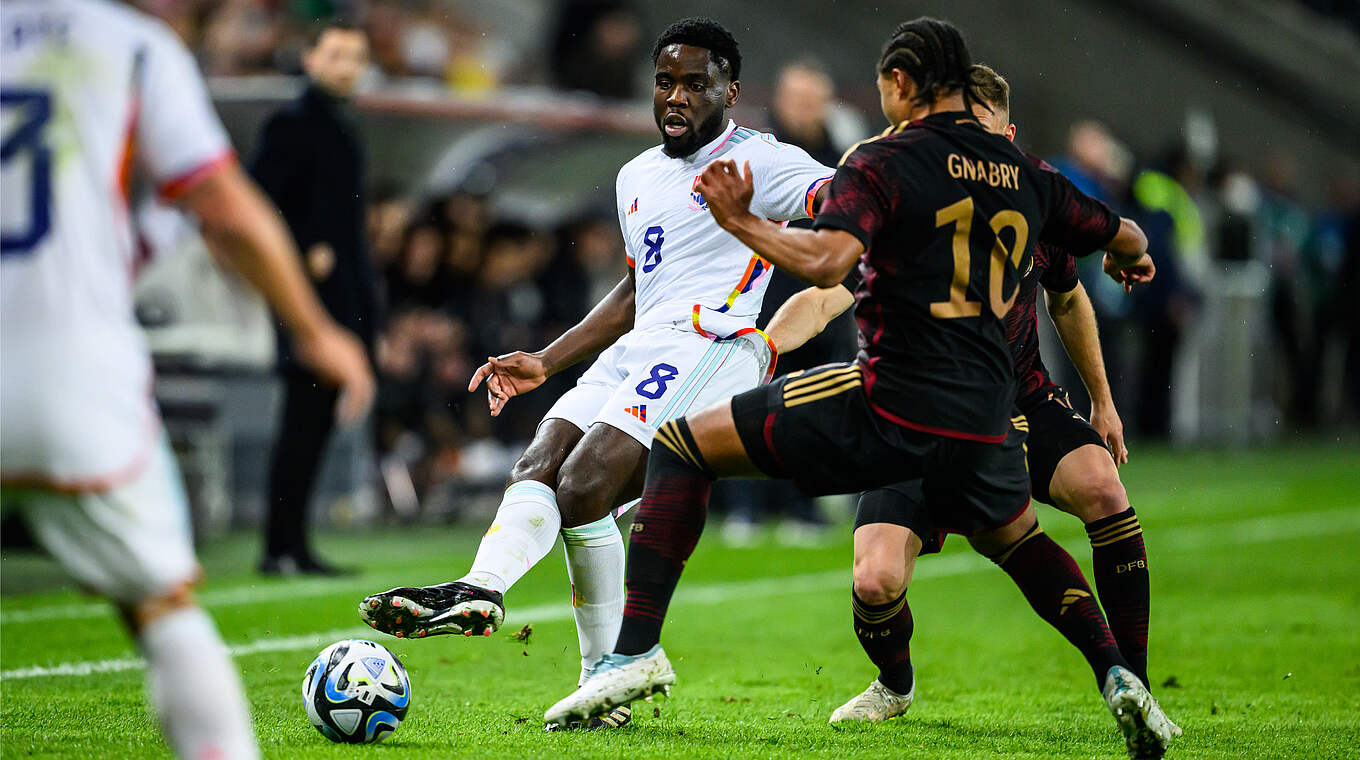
932, 52
707, 34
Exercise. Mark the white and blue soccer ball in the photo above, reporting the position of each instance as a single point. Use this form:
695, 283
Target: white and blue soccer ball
356, 692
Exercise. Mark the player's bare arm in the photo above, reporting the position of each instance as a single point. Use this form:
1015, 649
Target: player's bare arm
819, 257
520, 372
244, 231
805, 315
1075, 320
1126, 258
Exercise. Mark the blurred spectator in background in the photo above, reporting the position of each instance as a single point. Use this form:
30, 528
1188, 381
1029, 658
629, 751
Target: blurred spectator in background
597, 47
802, 109
241, 37
1155, 316
309, 161
1283, 227
1328, 289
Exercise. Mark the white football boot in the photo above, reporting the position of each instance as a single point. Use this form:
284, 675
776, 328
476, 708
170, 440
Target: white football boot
1147, 730
617, 679
877, 703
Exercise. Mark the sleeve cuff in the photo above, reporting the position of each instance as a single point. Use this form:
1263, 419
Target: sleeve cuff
812, 193
177, 186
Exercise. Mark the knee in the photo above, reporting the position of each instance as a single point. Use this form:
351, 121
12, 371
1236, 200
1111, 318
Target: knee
1097, 496
138, 615
877, 584
535, 464
579, 491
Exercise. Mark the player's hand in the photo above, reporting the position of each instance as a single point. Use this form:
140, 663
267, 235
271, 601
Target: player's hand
509, 375
1140, 272
339, 358
1106, 421
727, 191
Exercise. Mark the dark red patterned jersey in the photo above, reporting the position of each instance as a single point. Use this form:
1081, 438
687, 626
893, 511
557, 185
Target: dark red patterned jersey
1055, 269
949, 216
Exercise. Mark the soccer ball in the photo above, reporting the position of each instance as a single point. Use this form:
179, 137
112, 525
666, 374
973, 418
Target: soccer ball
356, 692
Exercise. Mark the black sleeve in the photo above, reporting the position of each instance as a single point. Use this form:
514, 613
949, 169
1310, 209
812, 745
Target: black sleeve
1076, 222
1060, 270
858, 201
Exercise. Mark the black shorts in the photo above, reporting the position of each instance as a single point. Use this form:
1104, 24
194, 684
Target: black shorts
905, 503
1055, 430
901, 504
817, 429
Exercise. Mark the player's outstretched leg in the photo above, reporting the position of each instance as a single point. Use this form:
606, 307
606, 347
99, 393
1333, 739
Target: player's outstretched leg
523, 532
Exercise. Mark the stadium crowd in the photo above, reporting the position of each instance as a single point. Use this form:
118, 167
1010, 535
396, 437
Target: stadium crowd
459, 284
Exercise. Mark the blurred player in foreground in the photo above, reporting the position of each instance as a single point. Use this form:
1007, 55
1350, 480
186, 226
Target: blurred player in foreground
91, 89
940, 215
679, 333
1070, 466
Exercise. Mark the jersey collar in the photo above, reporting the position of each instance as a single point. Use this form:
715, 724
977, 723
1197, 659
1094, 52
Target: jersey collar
707, 152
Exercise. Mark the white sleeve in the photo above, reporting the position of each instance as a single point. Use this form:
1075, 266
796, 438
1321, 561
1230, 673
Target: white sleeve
179, 137
622, 204
786, 180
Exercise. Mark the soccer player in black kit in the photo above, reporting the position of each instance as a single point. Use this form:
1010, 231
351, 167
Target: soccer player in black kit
940, 216
1070, 467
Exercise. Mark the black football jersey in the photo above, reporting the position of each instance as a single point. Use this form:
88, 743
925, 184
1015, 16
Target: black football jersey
949, 216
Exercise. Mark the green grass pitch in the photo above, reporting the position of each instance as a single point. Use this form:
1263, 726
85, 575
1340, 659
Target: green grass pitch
1255, 636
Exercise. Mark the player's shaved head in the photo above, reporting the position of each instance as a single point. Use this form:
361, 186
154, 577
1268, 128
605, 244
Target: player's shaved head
992, 88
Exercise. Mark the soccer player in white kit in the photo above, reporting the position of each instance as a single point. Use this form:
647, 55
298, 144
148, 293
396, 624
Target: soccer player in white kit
682, 329
92, 92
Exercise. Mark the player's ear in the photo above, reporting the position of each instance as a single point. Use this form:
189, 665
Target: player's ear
730, 95
1010, 132
906, 88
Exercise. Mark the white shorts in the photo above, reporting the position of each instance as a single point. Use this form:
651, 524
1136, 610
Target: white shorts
127, 543
659, 373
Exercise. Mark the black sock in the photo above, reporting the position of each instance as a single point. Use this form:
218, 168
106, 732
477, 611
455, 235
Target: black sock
884, 630
1119, 563
666, 530
1056, 589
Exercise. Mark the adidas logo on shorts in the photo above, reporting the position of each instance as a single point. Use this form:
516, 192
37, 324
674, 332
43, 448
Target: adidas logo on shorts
639, 411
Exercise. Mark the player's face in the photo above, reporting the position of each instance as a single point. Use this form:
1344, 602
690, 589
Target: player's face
995, 121
337, 60
691, 98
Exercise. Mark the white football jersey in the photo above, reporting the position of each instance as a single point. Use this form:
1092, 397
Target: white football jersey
90, 88
687, 268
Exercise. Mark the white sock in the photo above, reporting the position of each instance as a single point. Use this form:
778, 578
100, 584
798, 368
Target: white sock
595, 565
195, 689
523, 533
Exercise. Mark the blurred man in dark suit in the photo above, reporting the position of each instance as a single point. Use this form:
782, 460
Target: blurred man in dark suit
310, 161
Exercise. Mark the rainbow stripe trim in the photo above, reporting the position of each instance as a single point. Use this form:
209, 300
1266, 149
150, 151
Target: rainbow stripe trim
812, 193
756, 269
774, 352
